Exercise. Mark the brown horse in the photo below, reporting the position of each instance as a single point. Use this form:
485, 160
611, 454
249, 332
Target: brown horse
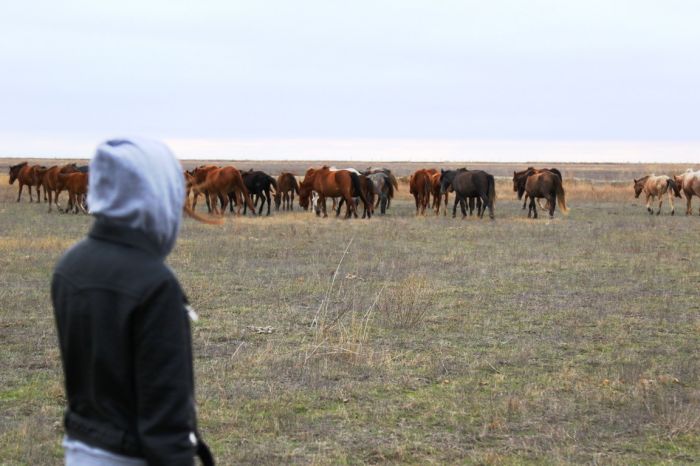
77, 185
26, 176
327, 183
52, 183
656, 186
545, 185
421, 185
199, 174
286, 187
435, 180
689, 184
218, 184
519, 179
366, 188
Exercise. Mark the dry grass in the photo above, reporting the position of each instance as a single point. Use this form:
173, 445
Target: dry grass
403, 339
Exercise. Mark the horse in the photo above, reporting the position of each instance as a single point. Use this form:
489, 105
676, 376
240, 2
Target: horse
52, 183
287, 186
688, 183
26, 176
327, 183
467, 184
367, 188
76, 184
258, 184
547, 185
198, 176
420, 187
219, 183
519, 179
384, 189
392, 180
656, 186
437, 195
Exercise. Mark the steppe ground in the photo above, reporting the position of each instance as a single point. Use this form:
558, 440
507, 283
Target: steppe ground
404, 339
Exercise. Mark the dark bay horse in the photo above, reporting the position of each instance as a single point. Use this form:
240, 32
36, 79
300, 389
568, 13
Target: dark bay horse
259, 184
469, 184
327, 183
420, 187
549, 186
287, 186
519, 179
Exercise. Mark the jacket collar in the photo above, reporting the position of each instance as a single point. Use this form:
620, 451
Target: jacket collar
105, 230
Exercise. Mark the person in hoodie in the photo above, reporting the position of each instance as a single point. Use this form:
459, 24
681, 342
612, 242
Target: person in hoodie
122, 318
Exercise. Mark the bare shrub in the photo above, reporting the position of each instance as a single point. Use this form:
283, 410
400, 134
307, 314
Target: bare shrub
406, 303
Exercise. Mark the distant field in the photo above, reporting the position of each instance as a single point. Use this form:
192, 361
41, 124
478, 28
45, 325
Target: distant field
438, 340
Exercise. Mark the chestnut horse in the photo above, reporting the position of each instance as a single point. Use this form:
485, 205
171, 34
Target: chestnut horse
286, 187
420, 186
368, 189
656, 186
327, 183
199, 174
219, 183
435, 180
52, 183
77, 185
688, 183
26, 176
547, 185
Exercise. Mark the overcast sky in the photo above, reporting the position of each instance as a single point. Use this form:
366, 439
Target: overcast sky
76, 72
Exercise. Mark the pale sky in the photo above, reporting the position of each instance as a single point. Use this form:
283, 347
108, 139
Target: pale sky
339, 79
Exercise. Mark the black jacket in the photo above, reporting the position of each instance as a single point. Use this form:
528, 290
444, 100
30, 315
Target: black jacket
126, 348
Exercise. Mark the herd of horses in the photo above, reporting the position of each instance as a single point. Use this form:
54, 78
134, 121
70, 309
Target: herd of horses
372, 188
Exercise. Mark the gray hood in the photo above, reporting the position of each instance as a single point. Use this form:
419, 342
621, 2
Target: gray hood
138, 183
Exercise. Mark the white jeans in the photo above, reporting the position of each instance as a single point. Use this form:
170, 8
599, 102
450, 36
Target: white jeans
81, 454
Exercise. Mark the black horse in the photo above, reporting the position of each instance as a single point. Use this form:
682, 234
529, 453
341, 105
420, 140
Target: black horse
259, 185
469, 184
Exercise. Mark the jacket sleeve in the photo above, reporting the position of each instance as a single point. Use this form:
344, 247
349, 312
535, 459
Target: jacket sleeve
163, 377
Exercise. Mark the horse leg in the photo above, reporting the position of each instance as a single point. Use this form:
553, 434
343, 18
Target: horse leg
670, 199
649, 199
525, 200
551, 203
454, 206
19, 195
463, 206
50, 198
661, 201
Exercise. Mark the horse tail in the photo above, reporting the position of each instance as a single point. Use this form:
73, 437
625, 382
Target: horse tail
357, 187
394, 182
491, 189
556, 172
561, 196
273, 182
390, 188
246, 194
428, 187
671, 185
295, 185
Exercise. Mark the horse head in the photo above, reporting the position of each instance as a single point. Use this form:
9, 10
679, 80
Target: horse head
14, 171
446, 177
638, 187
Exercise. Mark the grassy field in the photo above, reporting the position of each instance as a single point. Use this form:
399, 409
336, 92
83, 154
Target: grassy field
403, 339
